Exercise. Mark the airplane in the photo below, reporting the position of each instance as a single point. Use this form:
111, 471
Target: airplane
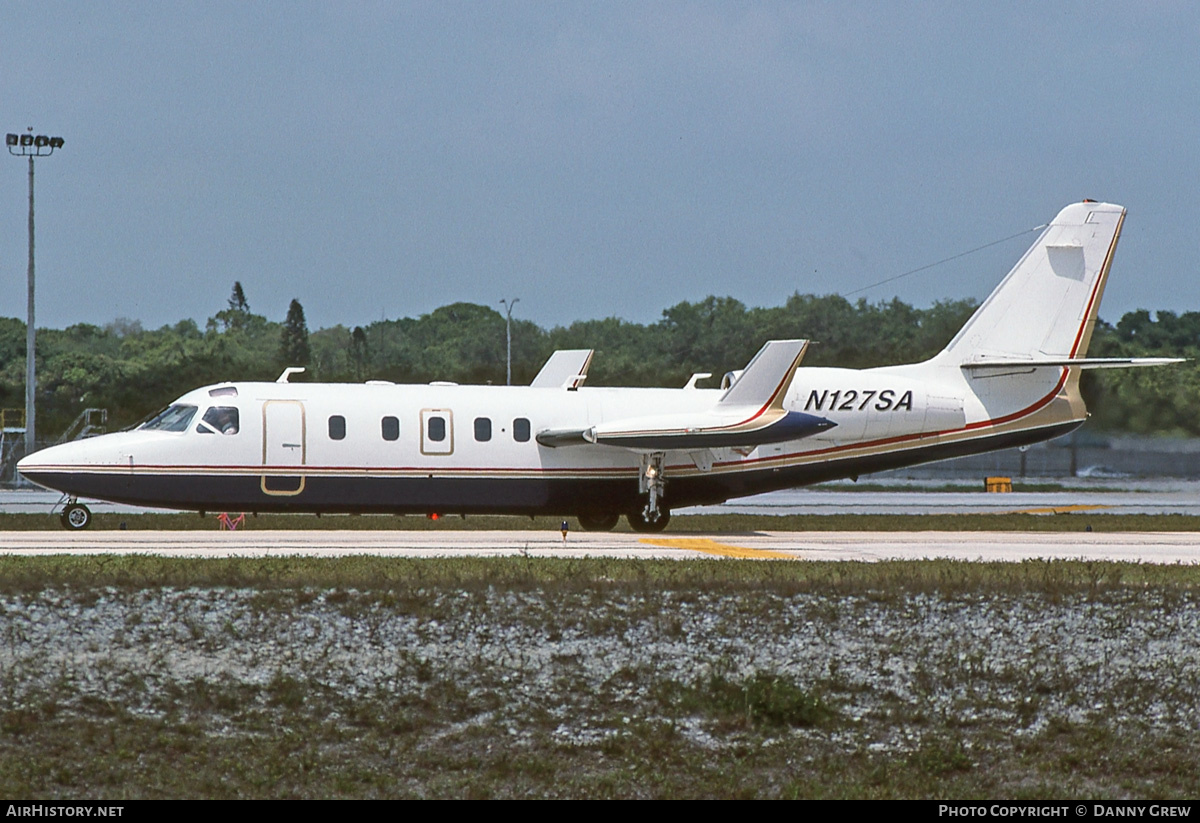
1010, 377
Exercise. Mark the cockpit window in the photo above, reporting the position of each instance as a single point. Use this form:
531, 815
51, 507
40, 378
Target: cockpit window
172, 419
219, 419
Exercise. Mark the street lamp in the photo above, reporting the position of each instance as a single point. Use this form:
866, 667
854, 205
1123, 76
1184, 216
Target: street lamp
28, 145
508, 305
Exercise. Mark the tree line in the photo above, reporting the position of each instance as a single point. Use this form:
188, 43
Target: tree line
132, 371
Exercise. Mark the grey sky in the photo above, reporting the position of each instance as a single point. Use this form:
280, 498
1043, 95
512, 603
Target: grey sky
594, 159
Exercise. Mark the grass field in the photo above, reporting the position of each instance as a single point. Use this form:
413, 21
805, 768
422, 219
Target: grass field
516, 677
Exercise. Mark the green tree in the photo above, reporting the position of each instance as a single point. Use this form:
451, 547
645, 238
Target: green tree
131, 370
627, 354
1161, 400
237, 299
293, 344
12, 360
237, 315
360, 353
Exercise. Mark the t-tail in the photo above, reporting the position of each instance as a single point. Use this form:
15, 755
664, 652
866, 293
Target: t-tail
1044, 312
1021, 353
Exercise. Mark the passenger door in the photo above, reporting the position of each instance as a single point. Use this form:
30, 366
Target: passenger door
284, 429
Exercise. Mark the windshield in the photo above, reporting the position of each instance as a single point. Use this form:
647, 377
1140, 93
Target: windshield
171, 419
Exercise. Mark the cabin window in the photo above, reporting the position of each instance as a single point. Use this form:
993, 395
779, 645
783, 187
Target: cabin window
219, 420
483, 429
391, 428
521, 430
337, 427
172, 419
437, 429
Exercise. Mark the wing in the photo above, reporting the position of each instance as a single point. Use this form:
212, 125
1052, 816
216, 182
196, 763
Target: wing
566, 368
750, 413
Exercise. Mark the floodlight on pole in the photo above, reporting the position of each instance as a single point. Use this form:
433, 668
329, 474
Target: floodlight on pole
508, 305
31, 146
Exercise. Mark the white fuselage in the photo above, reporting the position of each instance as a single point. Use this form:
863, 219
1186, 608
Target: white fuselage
1008, 378
446, 448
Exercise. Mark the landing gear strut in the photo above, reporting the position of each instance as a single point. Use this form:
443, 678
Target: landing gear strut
76, 516
653, 516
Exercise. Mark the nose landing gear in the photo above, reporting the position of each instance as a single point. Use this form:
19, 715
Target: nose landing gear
76, 516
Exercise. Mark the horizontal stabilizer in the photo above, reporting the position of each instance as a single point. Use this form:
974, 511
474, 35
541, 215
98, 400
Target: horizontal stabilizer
566, 368
1079, 362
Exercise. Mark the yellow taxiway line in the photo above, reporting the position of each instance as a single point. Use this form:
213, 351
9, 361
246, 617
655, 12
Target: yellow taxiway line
1059, 509
703, 544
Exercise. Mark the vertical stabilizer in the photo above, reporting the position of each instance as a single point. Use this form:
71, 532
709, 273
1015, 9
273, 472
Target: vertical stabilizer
1046, 306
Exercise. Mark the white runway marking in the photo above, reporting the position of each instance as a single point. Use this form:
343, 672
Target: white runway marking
1149, 547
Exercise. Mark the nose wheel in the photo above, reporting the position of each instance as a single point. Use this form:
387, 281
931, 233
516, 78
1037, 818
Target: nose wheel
76, 516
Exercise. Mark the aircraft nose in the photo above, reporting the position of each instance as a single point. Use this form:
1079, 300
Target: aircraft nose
55, 466
32, 463
36, 467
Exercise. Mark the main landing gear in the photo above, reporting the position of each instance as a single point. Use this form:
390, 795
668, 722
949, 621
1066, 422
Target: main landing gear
75, 515
639, 522
598, 522
653, 517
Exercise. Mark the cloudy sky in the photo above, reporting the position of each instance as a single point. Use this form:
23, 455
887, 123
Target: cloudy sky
593, 159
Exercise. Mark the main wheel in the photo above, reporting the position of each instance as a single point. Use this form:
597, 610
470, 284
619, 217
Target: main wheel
77, 516
598, 522
639, 523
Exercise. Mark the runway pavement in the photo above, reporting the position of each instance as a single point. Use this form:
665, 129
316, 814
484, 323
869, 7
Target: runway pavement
1148, 497
1158, 547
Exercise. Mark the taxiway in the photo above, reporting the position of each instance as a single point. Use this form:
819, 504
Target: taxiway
1150, 547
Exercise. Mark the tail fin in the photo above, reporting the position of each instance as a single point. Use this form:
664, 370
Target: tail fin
1046, 307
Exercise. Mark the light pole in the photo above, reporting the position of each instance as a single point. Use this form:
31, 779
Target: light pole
508, 305
27, 145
